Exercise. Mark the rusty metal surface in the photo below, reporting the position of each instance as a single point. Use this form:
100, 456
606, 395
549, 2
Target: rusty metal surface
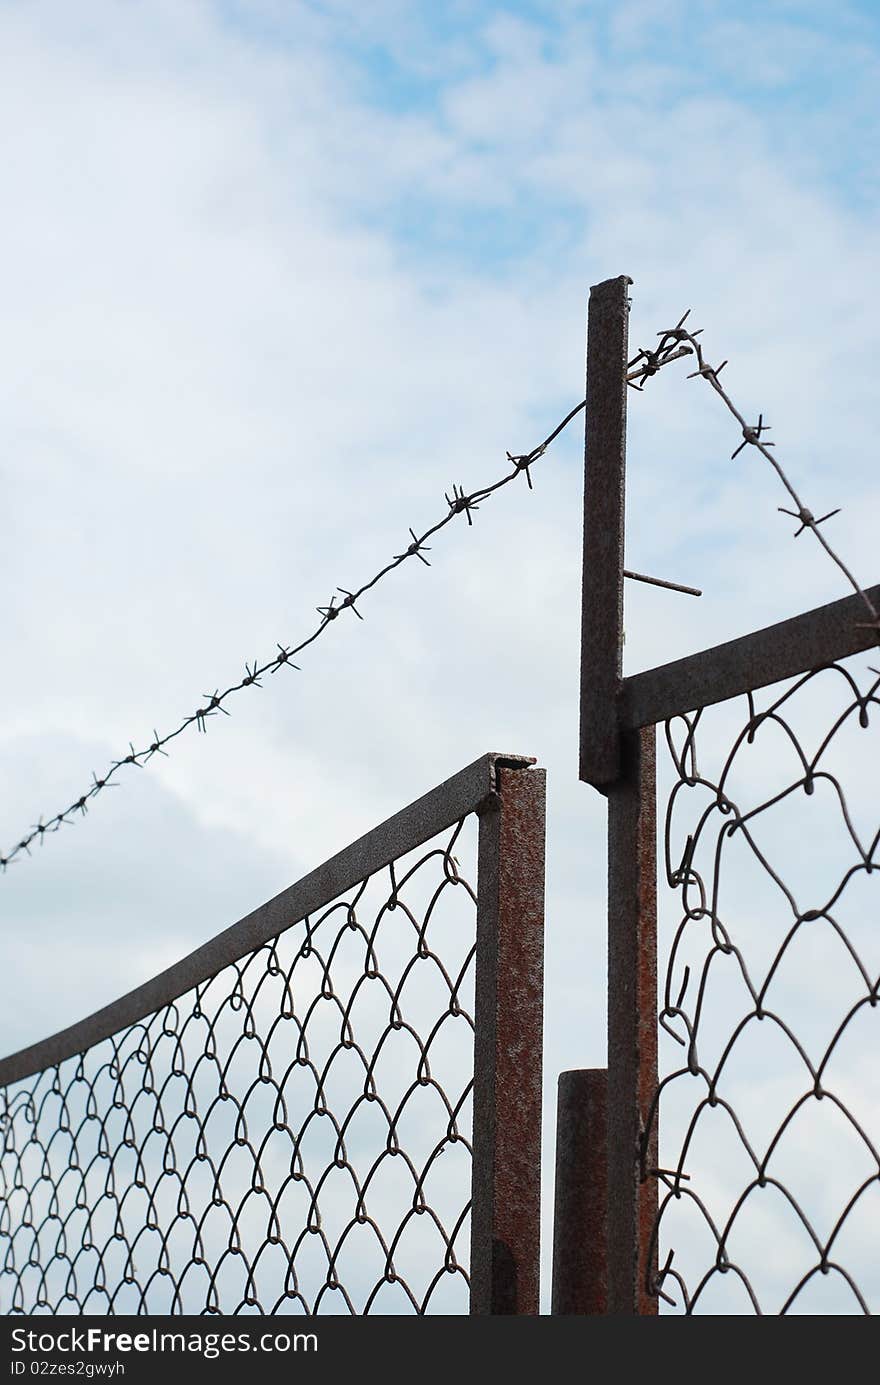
270, 1137
621, 765
604, 488
405, 831
617, 756
662, 582
754, 661
505, 1226
632, 1026
580, 1231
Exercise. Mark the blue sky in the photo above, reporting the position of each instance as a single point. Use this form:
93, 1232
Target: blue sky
276, 275
805, 73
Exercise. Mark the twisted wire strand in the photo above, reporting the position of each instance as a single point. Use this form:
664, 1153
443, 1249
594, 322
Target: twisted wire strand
679, 341
458, 503
674, 344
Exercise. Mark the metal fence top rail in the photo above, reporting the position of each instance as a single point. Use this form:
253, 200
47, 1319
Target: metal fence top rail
463, 793
785, 650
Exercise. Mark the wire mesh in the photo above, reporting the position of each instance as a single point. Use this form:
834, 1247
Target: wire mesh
291, 1136
769, 1098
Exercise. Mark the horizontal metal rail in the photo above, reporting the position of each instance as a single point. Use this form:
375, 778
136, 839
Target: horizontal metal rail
404, 832
753, 661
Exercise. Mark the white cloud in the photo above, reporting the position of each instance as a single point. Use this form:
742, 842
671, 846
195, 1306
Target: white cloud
250, 336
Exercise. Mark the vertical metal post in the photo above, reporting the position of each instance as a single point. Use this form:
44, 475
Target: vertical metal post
622, 766
632, 1023
506, 1214
580, 1275
604, 488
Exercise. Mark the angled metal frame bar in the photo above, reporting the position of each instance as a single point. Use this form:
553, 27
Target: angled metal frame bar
784, 650
508, 795
617, 756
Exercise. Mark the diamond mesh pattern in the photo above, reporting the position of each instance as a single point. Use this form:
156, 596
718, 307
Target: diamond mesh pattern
292, 1136
769, 1094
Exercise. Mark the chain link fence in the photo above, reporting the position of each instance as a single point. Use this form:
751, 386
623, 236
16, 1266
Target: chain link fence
768, 1098
293, 1131
726, 1161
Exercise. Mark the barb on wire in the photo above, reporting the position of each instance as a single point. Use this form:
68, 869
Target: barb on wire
460, 502
679, 341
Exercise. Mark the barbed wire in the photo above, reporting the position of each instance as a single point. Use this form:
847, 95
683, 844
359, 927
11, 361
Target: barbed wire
675, 343
458, 503
678, 341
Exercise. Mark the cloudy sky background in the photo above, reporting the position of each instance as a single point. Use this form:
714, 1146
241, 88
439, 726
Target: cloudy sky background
275, 275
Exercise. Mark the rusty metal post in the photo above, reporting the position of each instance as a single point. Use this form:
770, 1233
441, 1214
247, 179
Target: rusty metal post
632, 1023
506, 1214
604, 493
620, 764
580, 1278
